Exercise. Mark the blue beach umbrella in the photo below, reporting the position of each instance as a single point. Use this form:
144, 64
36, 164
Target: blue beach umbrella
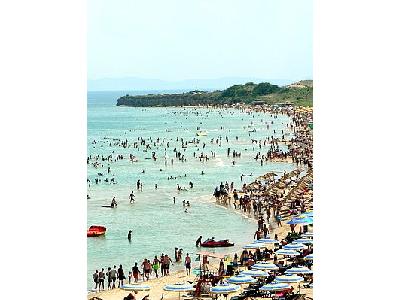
275, 287
179, 287
298, 246
136, 287
254, 273
303, 241
301, 220
289, 278
265, 266
309, 257
254, 246
298, 270
287, 252
307, 214
224, 289
267, 241
241, 279
307, 235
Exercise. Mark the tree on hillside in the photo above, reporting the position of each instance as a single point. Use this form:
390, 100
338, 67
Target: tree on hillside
265, 88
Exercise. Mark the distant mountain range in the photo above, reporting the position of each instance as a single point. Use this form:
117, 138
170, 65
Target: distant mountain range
135, 83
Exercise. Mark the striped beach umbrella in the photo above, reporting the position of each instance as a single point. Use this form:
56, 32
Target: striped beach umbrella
136, 287
289, 278
241, 279
265, 266
309, 257
224, 289
298, 270
307, 214
254, 273
298, 246
254, 246
301, 220
307, 235
287, 252
275, 287
179, 287
303, 241
267, 241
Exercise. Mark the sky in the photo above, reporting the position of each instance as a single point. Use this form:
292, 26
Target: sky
199, 39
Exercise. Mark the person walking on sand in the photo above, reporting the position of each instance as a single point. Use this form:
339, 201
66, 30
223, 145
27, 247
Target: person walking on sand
167, 262
188, 262
278, 219
121, 276
221, 269
146, 269
156, 265
135, 272
102, 277
109, 279
96, 279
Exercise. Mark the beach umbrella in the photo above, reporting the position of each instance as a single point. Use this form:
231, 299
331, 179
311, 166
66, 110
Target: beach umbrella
298, 270
254, 246
301, 220
267, 241
265, 266
254, 273
307, 235
298, 246
307, 214
289, 278
287, 252
241, 279
224, 288
303, 241
309, 257
178, 287
136, 287
275, 287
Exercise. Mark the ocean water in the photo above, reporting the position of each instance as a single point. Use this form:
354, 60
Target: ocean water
158, 224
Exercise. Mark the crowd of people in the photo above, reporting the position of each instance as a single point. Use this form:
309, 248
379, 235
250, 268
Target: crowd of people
143, 272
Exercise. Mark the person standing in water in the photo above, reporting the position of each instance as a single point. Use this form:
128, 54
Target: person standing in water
187, 264
198, 241
131, 197
130, 235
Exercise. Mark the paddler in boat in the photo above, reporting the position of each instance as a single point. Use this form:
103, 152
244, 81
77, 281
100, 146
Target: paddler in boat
113, 203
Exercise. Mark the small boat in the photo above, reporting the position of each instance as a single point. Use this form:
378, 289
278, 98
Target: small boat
213, 244
96, 230
201, 133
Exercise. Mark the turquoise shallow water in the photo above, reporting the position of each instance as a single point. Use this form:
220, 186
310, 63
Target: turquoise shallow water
158, 225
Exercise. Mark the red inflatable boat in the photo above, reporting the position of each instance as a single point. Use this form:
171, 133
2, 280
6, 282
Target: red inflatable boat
96, 230
213, 244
